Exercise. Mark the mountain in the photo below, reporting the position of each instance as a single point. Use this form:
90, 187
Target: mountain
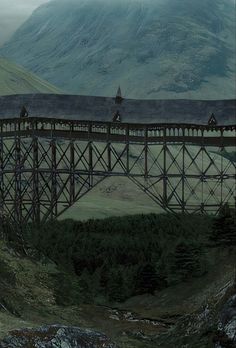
15, 80
154, 48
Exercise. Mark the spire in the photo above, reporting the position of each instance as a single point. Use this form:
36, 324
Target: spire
119, 97
118, 94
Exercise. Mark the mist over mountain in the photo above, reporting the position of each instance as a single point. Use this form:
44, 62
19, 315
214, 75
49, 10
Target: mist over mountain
13, 13
152, 48
15, 80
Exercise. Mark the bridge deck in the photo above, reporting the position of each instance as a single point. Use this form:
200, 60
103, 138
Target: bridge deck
222, 135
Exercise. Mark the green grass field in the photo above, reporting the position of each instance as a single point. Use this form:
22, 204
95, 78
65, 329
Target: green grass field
16, 80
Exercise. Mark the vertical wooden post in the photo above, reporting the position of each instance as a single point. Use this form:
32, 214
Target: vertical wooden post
18, 183
53, 179
109, 148
72, 172
183, 173
90, 163
164, 169
146, 152
127, 149
1, 177
36, 198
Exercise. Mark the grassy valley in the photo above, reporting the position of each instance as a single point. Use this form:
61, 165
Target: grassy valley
16, 80
94, 274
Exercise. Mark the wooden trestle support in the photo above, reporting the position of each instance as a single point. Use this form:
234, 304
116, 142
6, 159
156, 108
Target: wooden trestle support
46, 165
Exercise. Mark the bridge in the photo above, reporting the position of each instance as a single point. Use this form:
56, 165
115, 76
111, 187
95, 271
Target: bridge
48, 164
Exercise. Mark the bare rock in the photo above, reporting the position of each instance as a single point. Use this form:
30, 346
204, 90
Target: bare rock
56, 336
226, 336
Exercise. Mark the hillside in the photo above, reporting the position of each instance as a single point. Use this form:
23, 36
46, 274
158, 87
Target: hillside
155, 49
15, 80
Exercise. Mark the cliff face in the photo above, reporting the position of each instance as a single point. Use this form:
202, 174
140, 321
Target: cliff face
153, 48
131, 110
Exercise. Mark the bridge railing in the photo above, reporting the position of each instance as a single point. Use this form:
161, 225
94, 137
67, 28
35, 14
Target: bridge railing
138, 130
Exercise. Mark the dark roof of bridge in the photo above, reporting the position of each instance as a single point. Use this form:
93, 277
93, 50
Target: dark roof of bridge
131, 110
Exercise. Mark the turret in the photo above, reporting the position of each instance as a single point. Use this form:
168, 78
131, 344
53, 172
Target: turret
212, 120
24, 112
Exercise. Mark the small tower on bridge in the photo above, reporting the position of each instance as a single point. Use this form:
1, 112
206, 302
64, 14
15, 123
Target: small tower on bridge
116, 117
23, 112
119, 98
212, 120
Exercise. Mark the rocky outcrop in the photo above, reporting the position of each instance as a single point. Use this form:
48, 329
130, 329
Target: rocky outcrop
56, 336
226, 335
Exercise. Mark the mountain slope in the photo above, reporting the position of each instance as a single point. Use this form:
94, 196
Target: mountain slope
153, 48
15, 80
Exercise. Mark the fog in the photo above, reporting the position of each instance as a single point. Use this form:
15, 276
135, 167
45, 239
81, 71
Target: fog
13, 13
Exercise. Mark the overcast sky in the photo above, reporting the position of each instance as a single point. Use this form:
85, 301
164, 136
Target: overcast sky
13, 13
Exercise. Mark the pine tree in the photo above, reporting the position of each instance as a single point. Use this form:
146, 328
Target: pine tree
147, 279
86, 286
115, 286
188, 261
224, 228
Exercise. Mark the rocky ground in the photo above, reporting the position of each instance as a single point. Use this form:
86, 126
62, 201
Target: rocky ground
226, 335
56, 336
